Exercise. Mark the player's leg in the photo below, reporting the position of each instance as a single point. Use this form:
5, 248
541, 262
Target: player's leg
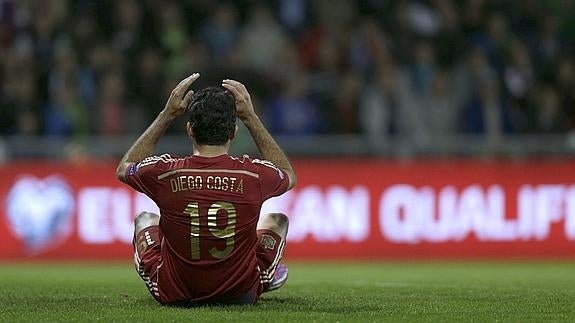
272, 232
277, 222
147, 249
144, 220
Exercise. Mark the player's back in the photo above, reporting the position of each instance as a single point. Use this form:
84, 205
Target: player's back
209, 212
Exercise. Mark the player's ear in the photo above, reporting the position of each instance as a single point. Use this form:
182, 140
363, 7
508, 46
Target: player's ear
234, 132
189, 130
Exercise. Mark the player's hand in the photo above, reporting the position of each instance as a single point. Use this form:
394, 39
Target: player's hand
179, 99
244, 106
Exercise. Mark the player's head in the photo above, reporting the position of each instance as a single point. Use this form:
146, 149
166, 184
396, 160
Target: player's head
212, 116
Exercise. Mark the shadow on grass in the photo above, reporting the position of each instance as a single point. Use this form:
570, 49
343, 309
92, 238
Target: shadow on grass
302, 304
275, 304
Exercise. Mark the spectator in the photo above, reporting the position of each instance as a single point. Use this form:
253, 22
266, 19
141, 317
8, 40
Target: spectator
220, 32
65, 115
483, 109
262, 41
548, 44
494, 40
111, 109
147, 81
294, 15
346, 102
547, 115
565, 74
173, 34
293, 112
322, 56
519, 79
128, 26
484, 113
19, 100
368, 47
379, 104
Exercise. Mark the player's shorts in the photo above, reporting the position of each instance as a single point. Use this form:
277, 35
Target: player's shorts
148, 260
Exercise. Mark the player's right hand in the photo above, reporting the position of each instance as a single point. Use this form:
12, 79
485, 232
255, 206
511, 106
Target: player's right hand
179, 99
244, 106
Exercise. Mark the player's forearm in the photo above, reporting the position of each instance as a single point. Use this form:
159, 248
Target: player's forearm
268, 147
145, 145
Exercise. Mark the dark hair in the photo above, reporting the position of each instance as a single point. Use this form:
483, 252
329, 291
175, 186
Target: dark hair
212, 116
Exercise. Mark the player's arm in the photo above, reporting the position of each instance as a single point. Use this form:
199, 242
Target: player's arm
268, 147
146, 143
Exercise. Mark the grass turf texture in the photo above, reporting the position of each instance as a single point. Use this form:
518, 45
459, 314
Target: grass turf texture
38, 292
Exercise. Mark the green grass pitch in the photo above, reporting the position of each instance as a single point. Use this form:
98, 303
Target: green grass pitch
330, 292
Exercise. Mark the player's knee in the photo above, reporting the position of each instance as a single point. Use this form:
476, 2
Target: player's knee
281, 219
276, 221
146, 219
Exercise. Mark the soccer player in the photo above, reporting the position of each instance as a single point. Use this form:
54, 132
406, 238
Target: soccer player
209, 245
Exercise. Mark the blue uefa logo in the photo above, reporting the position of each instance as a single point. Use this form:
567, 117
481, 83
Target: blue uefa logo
39, 211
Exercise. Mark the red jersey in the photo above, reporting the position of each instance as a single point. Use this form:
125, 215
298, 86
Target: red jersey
209, 209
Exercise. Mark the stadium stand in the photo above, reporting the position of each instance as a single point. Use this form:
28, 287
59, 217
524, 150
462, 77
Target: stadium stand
371, 77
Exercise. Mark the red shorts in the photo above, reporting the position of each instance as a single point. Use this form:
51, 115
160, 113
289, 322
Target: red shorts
148, 259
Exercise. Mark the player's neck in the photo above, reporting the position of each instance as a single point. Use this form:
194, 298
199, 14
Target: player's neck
210, 151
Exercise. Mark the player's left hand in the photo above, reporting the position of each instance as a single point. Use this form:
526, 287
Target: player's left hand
179, 99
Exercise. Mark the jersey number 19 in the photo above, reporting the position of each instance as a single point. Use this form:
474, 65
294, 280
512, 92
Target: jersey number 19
193, 210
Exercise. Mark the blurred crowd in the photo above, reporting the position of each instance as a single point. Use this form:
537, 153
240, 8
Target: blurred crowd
420, 69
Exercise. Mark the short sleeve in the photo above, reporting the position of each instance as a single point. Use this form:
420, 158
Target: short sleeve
273, 181
143, 175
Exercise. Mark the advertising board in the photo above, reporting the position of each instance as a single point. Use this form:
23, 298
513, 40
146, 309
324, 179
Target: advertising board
341, 209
